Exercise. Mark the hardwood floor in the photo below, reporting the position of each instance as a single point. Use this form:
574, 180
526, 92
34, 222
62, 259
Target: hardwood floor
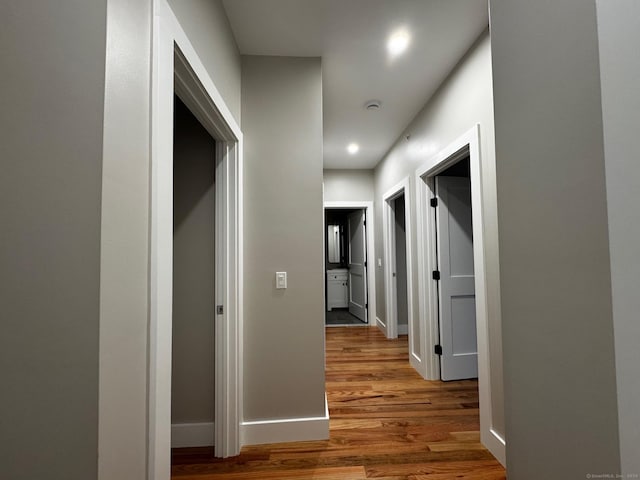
386, 423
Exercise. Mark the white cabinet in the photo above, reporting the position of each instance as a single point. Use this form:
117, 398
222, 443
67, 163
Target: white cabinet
337, 289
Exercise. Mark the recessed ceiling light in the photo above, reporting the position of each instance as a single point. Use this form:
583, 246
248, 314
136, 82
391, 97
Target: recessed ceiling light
398, 42
353, 148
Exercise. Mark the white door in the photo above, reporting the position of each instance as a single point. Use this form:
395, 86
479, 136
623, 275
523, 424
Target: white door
357, 265
459, 357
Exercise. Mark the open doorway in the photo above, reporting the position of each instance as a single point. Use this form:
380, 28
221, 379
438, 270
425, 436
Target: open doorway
397, 260
193, 299
465, 146
353, 253
346, 267
177, 70
400, 271
454, 274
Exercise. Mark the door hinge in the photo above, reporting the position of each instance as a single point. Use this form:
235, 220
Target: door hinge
365, 264
366, 305
437, 349
219, 309
436, 274
434, 202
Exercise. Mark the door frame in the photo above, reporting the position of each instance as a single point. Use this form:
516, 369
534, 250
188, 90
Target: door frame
389, 246
467, 144
176, 68
371, 271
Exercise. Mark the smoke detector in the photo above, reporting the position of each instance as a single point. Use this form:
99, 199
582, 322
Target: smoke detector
372, 105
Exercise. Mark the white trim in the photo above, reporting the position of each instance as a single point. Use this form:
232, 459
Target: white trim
381, 325
494, 442
389, 247
196, 88
286, 430
468, 143
192, 434
371, 257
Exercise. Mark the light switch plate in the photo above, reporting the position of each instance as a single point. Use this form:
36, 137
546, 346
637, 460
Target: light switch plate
379, 262
281, 280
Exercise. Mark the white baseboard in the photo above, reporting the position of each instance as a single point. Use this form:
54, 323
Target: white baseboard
403, 329
496, 444
381, 324
192, 435
286, 430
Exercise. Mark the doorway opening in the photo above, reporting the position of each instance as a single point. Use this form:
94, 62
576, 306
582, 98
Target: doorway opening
396, 231
348, 253
454, 274
177, 70
193, 299
465, 146
346, 267
400, 271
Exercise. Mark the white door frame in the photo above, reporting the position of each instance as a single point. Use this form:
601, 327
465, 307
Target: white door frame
371, 271
177, 68
466, 144
389, 245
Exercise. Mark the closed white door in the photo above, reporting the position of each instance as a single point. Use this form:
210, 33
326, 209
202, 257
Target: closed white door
459, 357
357, 265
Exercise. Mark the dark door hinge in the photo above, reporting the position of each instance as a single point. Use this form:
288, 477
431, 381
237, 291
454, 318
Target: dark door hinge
434, 202
219, 309
437, 349
436, 274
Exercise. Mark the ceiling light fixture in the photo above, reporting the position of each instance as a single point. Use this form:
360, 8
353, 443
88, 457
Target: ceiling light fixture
353, 148
398, 42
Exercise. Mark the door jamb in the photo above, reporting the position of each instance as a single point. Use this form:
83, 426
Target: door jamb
467, 143
371, 271
176, 68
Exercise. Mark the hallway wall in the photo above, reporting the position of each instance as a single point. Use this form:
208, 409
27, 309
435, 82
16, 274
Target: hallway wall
461, 102
51, 125
619, 36
348, 185
560, 383
283, 231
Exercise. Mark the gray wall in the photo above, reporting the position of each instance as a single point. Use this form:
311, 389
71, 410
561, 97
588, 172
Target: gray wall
463, 100
561, 412
619, 37
283, 231
192, 378
51, 121
401, 261
208, 29
348, 185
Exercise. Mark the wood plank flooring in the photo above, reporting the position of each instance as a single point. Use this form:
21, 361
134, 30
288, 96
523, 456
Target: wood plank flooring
386, 423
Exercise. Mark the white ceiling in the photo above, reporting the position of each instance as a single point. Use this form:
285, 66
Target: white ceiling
351, 36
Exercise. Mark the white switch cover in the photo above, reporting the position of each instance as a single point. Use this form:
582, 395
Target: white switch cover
379, 262
281, 280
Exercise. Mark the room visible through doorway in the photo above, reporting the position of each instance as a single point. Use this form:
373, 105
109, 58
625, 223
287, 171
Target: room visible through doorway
346, 267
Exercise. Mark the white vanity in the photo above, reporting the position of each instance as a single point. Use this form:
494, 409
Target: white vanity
337, 288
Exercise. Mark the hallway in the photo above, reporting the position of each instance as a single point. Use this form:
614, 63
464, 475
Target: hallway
386, 423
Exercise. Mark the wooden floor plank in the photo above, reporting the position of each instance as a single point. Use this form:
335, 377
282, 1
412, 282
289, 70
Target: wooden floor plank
386, 423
